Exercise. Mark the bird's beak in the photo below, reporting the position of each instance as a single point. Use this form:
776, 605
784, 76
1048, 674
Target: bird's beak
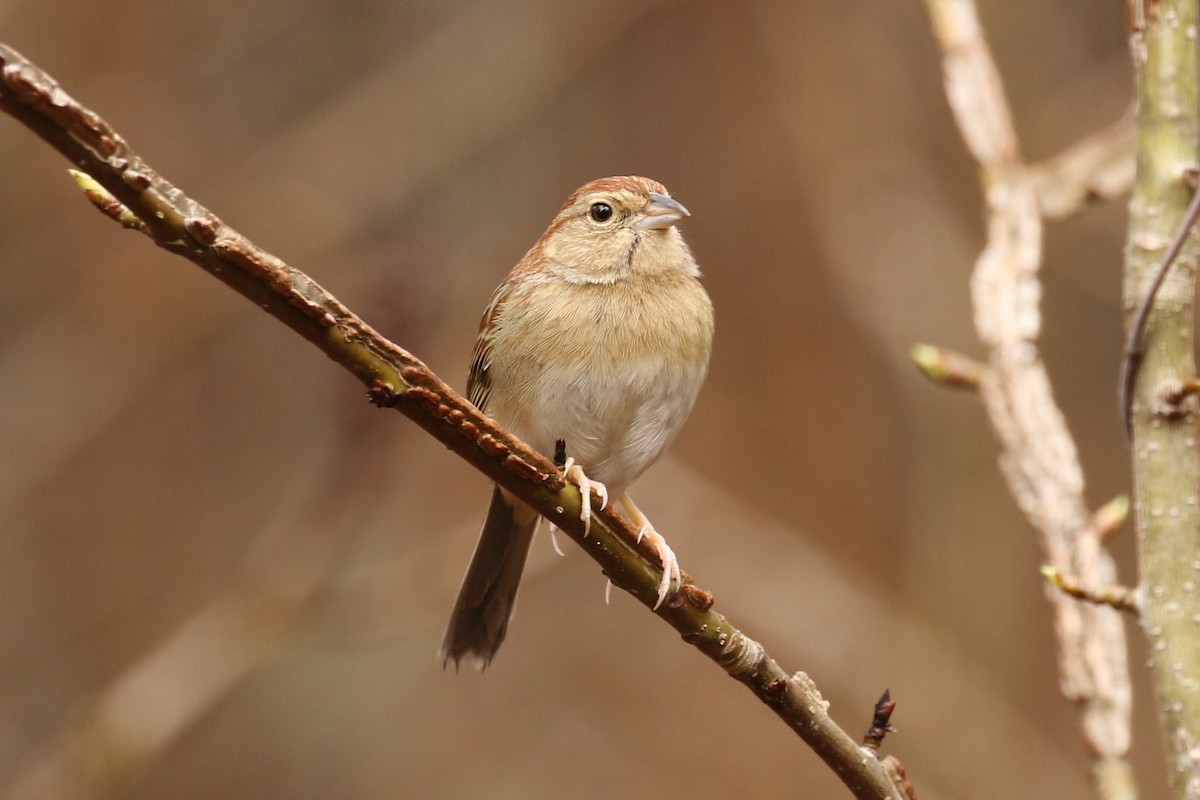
660, 213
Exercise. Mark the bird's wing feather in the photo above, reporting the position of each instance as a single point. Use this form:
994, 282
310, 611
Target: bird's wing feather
479, 381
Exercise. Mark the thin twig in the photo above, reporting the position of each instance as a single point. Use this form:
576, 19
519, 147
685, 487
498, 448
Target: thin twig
1122, 598
397, 379
1098, 167
1134, 341
948, 367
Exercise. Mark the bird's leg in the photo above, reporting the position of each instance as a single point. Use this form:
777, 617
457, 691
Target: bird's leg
574, 472
560, 460
670, 564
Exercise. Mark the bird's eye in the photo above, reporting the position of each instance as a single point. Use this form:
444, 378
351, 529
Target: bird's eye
601, 212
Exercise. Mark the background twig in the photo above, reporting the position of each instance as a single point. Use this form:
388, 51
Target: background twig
1039, 457
1097, 168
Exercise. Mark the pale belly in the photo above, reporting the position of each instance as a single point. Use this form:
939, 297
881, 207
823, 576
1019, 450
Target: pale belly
615, 422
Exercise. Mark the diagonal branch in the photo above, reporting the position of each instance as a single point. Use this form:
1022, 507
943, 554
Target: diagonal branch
399, 380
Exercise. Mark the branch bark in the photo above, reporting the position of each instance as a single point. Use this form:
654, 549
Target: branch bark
399, 380
1166, 463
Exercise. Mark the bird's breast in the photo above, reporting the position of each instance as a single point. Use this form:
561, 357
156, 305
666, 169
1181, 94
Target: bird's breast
612, 370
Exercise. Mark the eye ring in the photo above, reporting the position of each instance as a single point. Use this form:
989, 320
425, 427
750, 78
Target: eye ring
600, 212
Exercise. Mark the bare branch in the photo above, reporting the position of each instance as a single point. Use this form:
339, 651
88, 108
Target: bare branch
1039, 458
1159, 291
399, 380
1098, 167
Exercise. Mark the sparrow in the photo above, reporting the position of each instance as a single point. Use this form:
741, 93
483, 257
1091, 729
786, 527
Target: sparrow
594, 347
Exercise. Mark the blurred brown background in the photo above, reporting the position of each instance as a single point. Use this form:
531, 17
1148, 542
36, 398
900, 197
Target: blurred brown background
222, 574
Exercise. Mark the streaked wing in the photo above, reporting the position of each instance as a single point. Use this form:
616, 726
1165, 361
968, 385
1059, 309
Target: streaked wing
479, 381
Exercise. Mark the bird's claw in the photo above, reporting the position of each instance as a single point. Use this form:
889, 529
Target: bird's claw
554, 540
574, 472
671, 573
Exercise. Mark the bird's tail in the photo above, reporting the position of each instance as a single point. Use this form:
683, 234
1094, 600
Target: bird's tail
489, 590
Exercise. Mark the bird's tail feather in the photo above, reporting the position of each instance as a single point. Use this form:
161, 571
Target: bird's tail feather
489, 590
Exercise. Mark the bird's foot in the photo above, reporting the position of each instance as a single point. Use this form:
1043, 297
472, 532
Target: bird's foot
573, 472
671, 573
